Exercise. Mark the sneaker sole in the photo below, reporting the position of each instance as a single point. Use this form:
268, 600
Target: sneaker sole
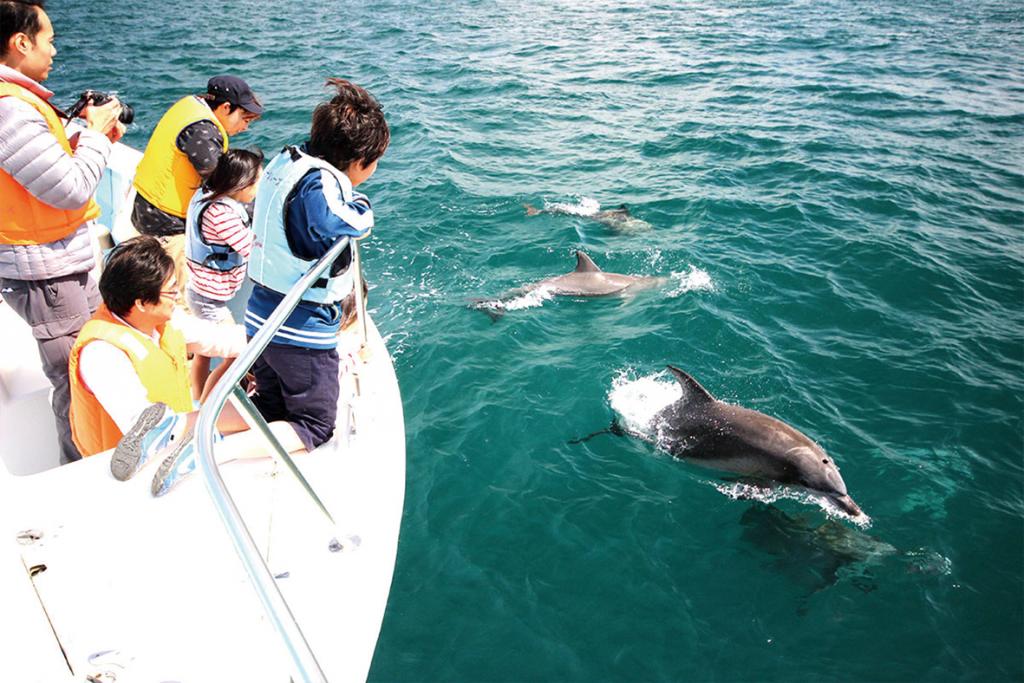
124, 463
158, 487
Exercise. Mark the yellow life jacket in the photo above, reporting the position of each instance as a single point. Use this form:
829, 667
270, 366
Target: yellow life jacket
165, 176
162, 369
23, 218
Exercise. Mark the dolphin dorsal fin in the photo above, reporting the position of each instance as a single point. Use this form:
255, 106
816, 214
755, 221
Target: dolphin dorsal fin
584, 264
692, 390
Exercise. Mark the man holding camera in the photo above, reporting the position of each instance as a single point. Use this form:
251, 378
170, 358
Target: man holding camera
184, 148
47, 182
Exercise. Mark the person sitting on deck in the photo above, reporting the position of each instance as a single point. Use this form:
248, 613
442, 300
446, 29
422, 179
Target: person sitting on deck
304, 204
130, 385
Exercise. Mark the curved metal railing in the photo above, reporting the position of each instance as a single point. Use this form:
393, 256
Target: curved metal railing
304, 661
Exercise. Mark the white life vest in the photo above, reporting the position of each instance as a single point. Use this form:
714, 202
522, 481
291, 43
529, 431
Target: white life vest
272, 263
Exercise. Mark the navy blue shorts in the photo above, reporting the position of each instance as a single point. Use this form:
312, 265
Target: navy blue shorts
300, 386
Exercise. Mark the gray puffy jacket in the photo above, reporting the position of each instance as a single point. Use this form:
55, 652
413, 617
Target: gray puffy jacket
32, 156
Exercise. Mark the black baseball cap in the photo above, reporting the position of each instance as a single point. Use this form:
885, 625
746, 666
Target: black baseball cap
236, 91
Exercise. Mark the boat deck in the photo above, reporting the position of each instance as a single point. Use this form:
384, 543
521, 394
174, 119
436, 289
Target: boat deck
151, 589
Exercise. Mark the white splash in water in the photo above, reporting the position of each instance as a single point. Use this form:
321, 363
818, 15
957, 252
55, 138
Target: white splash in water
532, 299
771, 494
638, 400
693, 280
585, 207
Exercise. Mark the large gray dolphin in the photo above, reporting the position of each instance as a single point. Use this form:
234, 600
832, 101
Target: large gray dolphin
589, 280
617, 219
586, 280
706, 431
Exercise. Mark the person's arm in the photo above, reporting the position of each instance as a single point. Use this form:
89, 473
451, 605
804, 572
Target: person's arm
31, 154
108, 373
203, 144
208, 338
328, 216
223, 224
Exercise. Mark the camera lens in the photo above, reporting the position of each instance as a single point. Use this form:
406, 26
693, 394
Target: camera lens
96, 98
127, 114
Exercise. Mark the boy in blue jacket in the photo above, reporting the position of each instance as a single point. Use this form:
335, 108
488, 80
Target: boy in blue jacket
306, 202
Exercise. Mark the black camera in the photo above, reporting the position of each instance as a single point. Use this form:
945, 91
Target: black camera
97, 98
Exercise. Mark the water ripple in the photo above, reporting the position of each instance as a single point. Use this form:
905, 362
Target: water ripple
837, 188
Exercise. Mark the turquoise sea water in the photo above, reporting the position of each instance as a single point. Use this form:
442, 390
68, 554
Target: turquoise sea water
838, 190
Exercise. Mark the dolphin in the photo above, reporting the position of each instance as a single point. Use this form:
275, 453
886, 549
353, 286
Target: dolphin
586, 280
816, 556
703, 430
589, 280
619, 219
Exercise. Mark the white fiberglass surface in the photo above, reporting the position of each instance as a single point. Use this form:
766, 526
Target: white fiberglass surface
152, 588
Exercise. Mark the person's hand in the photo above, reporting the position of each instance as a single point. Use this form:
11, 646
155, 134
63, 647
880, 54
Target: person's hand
103, 119
117, 132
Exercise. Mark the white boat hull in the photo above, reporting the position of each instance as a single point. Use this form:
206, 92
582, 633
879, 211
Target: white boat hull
151, 589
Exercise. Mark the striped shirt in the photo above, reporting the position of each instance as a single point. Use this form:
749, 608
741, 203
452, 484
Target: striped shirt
221, 225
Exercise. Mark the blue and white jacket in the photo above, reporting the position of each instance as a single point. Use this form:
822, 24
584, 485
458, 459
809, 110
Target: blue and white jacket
321, 208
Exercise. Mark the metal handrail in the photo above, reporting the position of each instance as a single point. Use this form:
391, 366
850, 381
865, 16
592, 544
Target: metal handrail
306, 666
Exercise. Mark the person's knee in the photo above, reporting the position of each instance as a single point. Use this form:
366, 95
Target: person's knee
313, 432
54, 354
314, 422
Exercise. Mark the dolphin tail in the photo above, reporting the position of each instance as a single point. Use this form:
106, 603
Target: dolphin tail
486, 305
613, 428
494, 314
531, 210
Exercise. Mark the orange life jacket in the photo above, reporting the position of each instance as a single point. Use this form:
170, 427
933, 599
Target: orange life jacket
23, 218
163, 370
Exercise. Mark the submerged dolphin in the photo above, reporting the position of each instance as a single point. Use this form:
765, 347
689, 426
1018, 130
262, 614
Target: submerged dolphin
617, 219
817, 556
706, 431
586, 280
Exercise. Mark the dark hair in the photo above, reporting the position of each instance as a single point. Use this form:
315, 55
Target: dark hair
135, 269
215, 101
350, 127
236, 169
19, 16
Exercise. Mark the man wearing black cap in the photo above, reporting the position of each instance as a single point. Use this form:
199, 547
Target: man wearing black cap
184, 148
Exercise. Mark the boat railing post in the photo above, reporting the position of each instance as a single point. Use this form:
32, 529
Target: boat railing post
357, 265
304, 663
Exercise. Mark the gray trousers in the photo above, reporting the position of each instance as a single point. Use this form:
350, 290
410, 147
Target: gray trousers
56, 309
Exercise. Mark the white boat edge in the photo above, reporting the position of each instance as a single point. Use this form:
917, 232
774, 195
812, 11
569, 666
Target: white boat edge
144, 589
